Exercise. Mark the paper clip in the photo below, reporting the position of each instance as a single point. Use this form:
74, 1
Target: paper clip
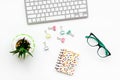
46, 48
62, 32
61, 39
70, 33
48, 36
52, 28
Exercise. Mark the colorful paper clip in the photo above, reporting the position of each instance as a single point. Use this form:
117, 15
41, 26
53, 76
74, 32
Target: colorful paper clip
48, 36
70, 33
52, 28
62, 32
46, 48
61, 39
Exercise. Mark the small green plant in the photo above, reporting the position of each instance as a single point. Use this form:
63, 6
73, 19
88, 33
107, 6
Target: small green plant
22, 48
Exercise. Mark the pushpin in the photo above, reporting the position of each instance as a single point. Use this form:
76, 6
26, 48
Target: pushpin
52, 28
47, 35
70, 33
61, 39
45, 46
62, 32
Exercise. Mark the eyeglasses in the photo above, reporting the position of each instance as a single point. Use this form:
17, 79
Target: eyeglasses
93, 41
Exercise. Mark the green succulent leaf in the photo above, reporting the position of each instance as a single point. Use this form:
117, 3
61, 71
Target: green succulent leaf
30, 53
14, 52
22, 48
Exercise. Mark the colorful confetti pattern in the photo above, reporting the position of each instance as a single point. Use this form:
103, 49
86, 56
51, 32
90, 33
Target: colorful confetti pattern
66, 62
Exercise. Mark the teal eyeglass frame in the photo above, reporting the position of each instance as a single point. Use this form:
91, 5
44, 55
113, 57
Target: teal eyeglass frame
100, 45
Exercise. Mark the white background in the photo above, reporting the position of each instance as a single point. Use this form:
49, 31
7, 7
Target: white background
103, 21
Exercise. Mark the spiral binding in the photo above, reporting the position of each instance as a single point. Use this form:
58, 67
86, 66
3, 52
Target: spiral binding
66, 62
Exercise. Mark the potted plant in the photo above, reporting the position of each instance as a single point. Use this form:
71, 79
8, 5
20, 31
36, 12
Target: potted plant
23, 45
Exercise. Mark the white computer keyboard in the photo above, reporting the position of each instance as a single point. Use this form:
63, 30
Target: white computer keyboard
42, 11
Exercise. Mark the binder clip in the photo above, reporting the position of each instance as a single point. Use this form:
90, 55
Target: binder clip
48, 36
52, 28
46, 48
70, 33
62, 32
61, 39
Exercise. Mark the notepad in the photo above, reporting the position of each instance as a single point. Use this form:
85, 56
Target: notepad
67, 61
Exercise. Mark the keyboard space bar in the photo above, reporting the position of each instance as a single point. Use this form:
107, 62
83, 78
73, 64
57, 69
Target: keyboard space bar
52, 18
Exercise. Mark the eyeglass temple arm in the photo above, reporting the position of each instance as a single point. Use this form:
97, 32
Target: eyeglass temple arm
107, 52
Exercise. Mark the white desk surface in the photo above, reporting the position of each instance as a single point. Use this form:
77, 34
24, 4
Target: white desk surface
103, 21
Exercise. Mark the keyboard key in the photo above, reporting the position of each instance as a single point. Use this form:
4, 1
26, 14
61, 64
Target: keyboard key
44, 2
38, 7
32, 3
48, 10
51, 5
84, 2
27, 4
73, 7
36, 3
40, 11
72, 15
55, 18
57, 1
38, 20
67, 12
46, 14
44, 10
63, 4
36, 11
48, 1
75, 11
56, 9
32, 16
59, 4
77, 6
38, 15
27, 0
55, 5
52, 9
42, 15
42, 19
82, 10
79, 2
29, 8
43, 6
68, 16
55, 13
85, 15
59, 13
51, 14
71, 11
65, 8
81, 14
34, 7
34, 20
29, 20
40, 3
30, 12
71, 3
63, 12
47, 6
77, 15
82, 6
